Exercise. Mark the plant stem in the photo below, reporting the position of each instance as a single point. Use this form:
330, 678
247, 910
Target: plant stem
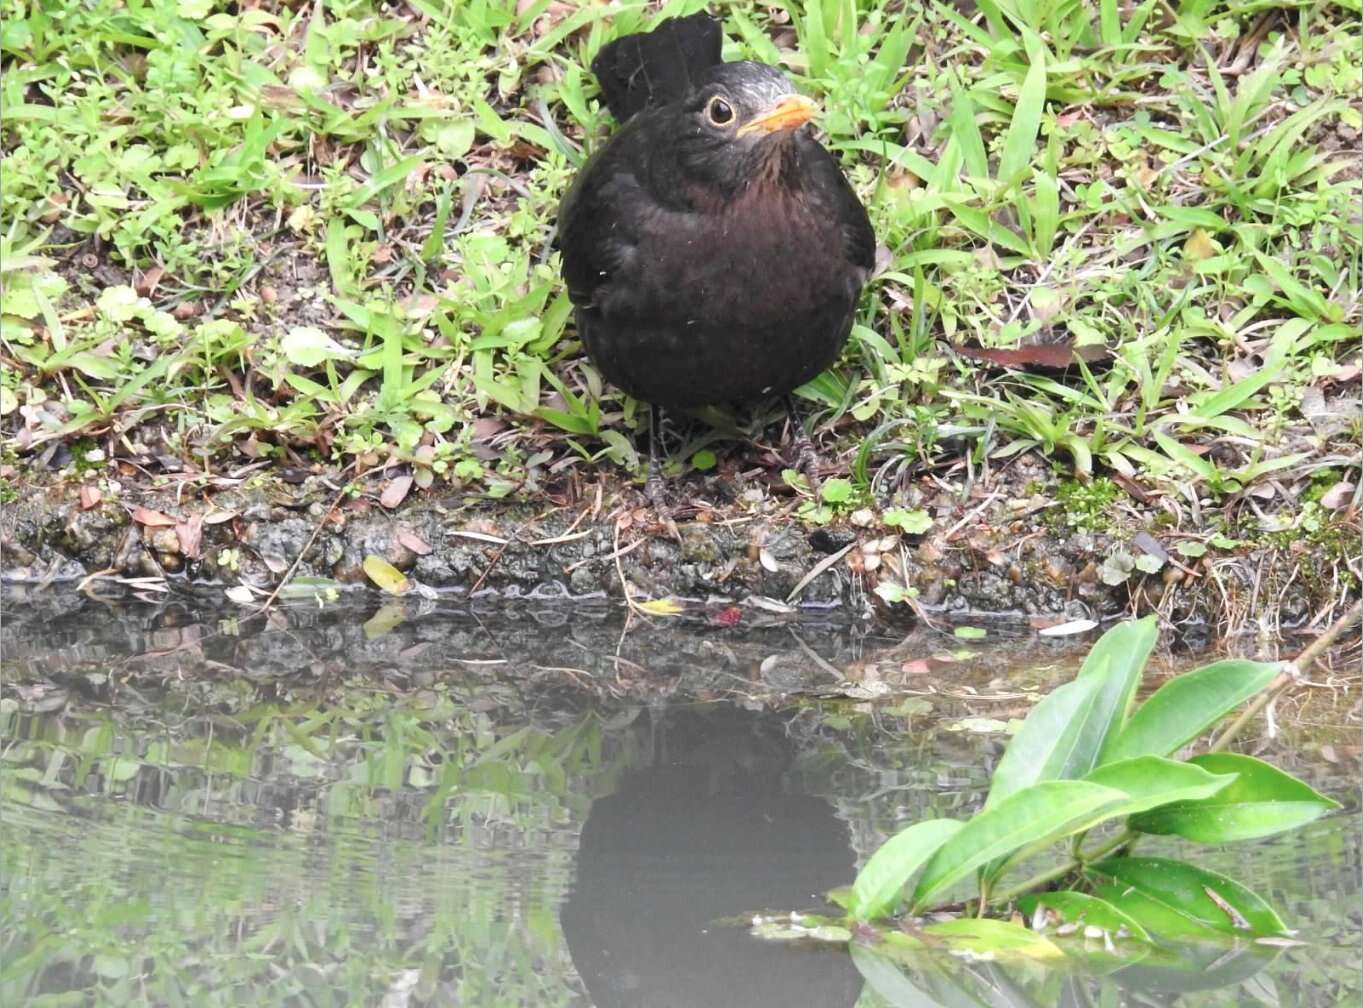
1050, 875
1292, 672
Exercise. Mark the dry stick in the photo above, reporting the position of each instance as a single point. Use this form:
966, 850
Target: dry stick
1291, 674
293, 567
316, 530
620, 573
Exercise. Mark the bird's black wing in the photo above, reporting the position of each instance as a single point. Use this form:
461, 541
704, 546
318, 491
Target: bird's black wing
859, 239
596, 223
657, 67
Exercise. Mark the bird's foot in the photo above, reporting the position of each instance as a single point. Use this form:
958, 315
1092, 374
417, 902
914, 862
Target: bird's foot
654, 487
655, 491
808, 462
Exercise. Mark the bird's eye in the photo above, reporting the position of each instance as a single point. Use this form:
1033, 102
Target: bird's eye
720, 112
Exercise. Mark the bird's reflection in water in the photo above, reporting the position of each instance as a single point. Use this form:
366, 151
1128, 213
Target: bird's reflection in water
711, 829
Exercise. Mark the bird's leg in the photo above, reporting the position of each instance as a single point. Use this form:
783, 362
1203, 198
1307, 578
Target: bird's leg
654, 487
807, 459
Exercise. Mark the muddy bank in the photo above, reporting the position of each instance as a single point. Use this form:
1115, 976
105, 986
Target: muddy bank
996, 552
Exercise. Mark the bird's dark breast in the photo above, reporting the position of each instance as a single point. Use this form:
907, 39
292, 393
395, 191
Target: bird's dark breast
753, 299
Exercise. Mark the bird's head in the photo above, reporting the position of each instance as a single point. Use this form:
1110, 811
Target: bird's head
735, 120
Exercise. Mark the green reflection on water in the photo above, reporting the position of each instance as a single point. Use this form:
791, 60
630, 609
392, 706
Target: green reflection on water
222, 842
289, 851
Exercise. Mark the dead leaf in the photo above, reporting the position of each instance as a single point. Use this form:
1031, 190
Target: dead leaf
147, 283
1045, 356
395, 492
1199, 246
1338, 496
190, 535
413, 542
218, 517
152, 519
1147, 543
241, 594
90, 497
385, 575
1068, 629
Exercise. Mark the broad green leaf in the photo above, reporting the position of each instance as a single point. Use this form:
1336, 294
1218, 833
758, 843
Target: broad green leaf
1056, 742
1081, 908
882, 879
1145, 782
93, 364
888, 980
1188, 966
1118, 659
1188, 705
308, 346
1261, 801
985, 936
1152, 781
1049, 810
1176, 900
1065, 732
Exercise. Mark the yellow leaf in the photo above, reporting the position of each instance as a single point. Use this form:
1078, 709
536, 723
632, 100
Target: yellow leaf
661, 607
1199, 246
385, 575
389, 616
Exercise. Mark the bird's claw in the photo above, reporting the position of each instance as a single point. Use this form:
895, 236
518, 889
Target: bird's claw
655, 491
808, 462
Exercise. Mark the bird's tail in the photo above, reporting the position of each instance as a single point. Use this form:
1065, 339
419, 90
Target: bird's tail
654, 68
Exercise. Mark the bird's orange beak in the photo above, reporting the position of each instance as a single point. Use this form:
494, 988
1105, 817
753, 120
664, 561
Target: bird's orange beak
789, 113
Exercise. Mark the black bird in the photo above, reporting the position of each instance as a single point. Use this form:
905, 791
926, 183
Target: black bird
713, 249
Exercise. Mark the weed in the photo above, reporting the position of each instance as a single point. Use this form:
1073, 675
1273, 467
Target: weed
326, 235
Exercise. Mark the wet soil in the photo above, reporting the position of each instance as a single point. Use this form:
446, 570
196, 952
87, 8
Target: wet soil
1000, 549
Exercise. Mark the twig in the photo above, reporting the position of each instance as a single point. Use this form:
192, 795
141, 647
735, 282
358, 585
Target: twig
634, 607
293, 567
609, 556
818, 569
1290, 675
974, 512
1050, 875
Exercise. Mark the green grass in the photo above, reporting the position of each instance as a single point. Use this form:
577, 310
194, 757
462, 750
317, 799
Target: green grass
323, 236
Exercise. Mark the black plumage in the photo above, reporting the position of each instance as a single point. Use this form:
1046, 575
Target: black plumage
713, 249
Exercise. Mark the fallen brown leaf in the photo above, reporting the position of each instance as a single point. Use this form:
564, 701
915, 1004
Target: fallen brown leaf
190, 535
1337, 496
152, 519
89, 497
1048, 356
395, 492
413, 542
147, 283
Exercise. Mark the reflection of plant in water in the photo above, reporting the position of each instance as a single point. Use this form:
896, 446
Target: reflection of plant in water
1088, 757
286, 851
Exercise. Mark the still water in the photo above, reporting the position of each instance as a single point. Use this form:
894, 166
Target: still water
422, 804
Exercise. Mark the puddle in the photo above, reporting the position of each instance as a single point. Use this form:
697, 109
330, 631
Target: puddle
406, 806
